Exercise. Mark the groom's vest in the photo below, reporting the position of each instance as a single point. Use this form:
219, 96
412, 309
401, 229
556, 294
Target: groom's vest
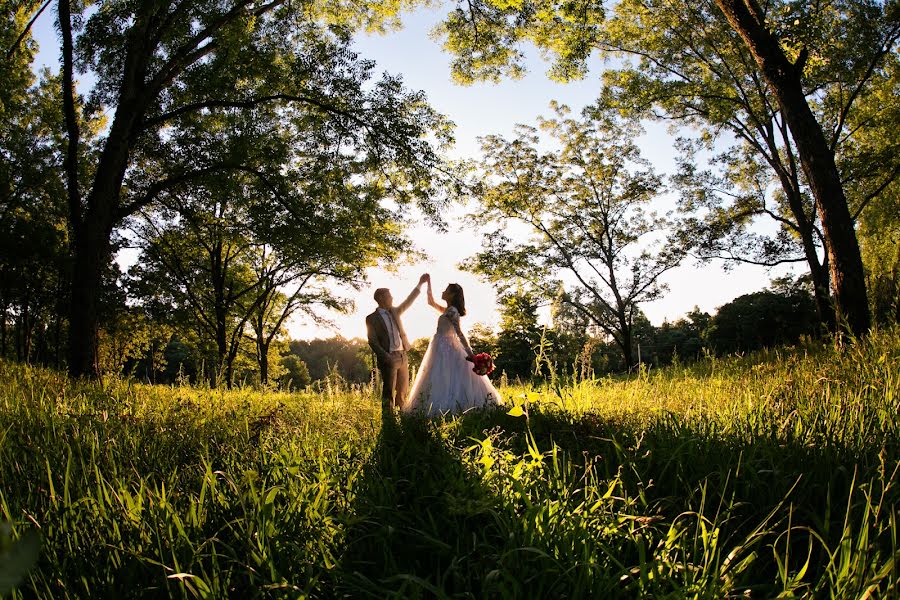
375, 324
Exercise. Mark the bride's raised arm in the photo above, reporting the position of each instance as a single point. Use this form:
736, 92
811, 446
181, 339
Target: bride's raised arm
431, 301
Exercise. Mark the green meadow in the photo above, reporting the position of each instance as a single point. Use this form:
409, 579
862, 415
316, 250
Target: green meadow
760, 476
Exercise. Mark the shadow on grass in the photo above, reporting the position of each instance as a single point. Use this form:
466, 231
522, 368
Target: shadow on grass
425, 525
613, 509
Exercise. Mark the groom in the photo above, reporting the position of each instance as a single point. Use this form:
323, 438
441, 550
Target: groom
390, 345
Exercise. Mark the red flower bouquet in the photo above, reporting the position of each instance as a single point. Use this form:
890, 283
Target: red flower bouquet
483, 363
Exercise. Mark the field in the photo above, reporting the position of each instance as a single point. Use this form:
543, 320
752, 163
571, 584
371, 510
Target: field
772, 475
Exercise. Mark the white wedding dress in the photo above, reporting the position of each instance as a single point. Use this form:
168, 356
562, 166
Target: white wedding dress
446, 382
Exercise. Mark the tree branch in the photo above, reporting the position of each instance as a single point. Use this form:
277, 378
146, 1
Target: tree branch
15, 46
250, 103
870, 70
874, 193
70, 164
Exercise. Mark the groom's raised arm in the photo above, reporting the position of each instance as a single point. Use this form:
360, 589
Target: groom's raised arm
411, 298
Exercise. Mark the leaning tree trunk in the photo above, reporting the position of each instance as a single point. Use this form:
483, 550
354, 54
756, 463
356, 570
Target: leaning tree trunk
816, 158
818, 271
820, 279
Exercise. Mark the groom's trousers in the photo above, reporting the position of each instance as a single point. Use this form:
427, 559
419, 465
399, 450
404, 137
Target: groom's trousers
395, 377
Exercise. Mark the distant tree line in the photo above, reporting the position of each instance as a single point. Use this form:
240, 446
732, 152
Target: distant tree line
571, 345
525, 350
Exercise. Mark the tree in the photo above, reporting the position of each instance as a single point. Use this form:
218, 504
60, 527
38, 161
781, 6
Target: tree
296, 375
267, 253
762, 320
873, 157
33, 257
323, 356
163, 68
585, 207
199, 269
701, 73
796, 57
880, 241
684, 337
784, 75
570, 337
519, 336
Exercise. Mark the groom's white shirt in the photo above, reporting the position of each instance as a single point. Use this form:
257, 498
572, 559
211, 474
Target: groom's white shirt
393, 330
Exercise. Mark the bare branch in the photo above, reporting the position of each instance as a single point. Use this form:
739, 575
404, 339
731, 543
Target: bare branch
24, 34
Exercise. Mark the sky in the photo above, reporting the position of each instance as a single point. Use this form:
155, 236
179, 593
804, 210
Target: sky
480, 110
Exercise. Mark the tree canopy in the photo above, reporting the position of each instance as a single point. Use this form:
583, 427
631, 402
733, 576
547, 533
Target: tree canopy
585, 209
167, 72
784, 78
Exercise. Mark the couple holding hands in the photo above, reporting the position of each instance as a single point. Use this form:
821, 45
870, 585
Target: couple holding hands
445, 382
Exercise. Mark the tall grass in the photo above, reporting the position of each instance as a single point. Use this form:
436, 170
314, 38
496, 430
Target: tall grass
761, 476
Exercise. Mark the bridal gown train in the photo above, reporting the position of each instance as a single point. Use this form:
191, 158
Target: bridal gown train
445, 382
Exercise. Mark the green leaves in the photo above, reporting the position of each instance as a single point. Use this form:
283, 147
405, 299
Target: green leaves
579, 213
516, 411
486, 36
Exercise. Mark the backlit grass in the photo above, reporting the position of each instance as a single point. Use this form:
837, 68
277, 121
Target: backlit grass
774, 474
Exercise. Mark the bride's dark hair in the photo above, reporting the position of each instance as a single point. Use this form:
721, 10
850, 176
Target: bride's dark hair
459, 300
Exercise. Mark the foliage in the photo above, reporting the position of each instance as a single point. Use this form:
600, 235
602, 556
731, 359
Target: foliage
768, 474
351, 357
519, 336
761, 320
788, 88
33, 258
416, 353
197, 275
684, 339
130, 337
296, 374
588, 226
239, 258
169, 74
879, 223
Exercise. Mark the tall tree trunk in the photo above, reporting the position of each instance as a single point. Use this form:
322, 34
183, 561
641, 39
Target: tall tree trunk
217, 272
3, 311
26, 329
229, 366
626, 344
93, 220
91, 250
262, 344
222, 362
264, 364
817, 159
57, 321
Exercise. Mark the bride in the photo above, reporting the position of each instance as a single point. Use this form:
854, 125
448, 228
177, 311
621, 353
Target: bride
446, 382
